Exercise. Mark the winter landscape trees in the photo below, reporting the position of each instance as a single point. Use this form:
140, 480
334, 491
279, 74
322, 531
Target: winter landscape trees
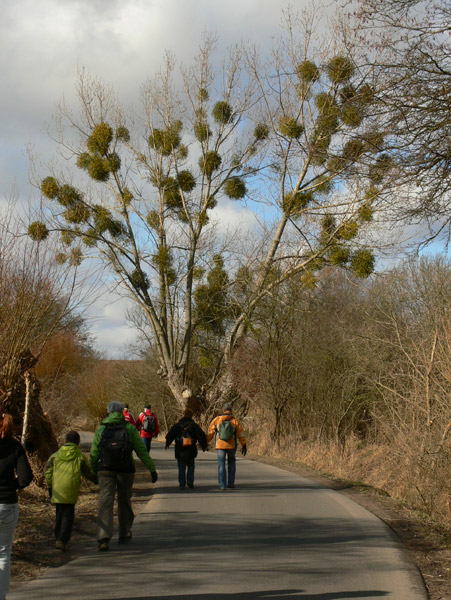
243, 206
292, 136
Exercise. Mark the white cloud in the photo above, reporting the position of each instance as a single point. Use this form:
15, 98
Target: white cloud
109, 327
45, 42
233, 216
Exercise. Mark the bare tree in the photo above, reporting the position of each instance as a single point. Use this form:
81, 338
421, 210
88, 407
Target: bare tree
292, 137
409, 41
35, 295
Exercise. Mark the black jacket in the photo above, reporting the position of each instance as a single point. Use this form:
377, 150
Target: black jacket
15, 470
186, 453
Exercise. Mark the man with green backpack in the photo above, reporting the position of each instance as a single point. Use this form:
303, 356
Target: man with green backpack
227, 429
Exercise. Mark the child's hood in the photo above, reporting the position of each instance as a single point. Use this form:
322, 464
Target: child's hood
68, 452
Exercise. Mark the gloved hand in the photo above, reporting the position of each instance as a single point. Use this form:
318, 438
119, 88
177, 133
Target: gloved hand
244, 450
154, 476
50, 492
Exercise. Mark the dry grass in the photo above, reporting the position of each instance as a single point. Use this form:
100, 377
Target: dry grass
418, 482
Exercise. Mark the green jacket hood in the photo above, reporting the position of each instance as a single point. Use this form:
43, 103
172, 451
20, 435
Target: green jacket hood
114, 417
68, 452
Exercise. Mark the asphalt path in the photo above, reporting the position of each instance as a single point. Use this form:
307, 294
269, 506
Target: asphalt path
277, 535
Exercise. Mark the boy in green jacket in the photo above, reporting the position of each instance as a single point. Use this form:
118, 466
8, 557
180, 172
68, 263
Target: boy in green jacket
63, 473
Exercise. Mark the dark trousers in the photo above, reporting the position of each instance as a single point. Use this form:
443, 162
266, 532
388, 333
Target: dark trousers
64, 521
186, 472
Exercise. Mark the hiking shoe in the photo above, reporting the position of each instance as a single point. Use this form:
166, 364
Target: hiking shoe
190, 485
127, 538
231, 487
103, 545
222, 489
59, 545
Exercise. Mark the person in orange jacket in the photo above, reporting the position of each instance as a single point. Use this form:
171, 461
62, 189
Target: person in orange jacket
227, 429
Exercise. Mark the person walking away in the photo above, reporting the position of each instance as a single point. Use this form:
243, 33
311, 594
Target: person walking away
186, 434
147, 425
63, 473
15, 474
111, 458
227, 429
128, 416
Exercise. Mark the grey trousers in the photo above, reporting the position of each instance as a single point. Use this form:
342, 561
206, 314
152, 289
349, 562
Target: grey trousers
109, 481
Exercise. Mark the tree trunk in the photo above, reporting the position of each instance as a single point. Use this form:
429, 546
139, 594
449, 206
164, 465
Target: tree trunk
26, 413
30, 422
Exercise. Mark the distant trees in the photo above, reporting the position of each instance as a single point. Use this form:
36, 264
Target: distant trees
362, 366
303, 370
293, 138
35, 301
133, 382
65, 358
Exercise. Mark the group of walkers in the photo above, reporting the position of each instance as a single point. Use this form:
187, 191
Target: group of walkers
111, 466
187, 434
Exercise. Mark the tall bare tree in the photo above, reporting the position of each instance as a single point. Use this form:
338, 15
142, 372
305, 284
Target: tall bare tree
291, 137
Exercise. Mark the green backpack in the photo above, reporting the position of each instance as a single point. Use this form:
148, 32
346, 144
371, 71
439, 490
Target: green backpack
226, 430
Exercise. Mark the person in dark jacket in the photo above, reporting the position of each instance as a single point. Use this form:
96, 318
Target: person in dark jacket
112, 460
186, 434
15, 474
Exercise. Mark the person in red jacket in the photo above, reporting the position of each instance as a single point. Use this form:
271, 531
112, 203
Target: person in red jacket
147, 425
128, 415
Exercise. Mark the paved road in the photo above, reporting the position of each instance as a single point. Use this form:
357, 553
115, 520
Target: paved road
277, 535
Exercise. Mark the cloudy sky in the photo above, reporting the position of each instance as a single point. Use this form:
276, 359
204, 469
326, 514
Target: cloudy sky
44, 42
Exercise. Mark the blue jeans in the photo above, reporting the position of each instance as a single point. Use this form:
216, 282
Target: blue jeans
147, 443
9, 515
186, 472
226, 479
